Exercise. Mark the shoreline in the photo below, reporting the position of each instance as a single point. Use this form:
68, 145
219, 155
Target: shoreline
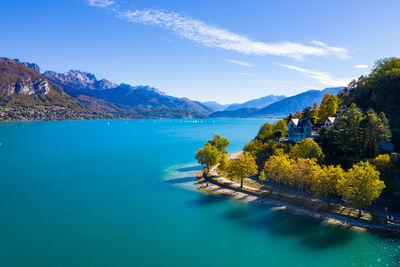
212, 186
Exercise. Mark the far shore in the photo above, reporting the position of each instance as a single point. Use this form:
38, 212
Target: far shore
218, 185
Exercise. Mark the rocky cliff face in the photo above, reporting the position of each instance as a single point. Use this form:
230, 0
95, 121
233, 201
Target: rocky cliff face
29, 87
79, 79
18, 78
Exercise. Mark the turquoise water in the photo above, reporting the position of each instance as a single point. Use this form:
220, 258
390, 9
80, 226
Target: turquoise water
121, 193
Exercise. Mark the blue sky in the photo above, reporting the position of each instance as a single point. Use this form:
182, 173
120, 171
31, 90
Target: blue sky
227, 51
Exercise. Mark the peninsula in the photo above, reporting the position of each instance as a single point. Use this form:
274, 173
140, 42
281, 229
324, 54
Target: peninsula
332, 160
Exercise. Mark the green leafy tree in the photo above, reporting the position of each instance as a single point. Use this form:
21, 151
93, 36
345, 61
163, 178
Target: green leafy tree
220, 143
209, 156
361, 185
386, 168
385, 132
306, 113
244, 166
223, 162
327, 180
302, 173
278, 134
307, 148
314, 113
277, 168
379, 90
351, 134
328, 107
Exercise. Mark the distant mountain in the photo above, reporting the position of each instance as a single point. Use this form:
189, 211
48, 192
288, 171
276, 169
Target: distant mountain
214, 106
283, 107
75, 79
25, 95
85, 85
256, 103
297, 102
30, 65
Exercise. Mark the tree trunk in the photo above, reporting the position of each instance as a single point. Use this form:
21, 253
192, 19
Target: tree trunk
241, 183
359, 212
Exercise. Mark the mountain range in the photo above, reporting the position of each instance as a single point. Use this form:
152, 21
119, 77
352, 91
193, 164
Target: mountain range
26, 94
256, 103
283, 107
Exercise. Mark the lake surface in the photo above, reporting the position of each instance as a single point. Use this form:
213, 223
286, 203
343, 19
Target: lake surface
121, 193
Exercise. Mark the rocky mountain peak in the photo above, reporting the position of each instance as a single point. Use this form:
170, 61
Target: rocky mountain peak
80, 79
30, 65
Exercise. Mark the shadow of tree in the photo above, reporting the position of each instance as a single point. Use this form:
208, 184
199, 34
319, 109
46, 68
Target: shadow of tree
236, 213
207, 199
182, 180
189, 169
310, 232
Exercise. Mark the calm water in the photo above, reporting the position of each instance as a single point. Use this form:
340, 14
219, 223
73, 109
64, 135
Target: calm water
92, 193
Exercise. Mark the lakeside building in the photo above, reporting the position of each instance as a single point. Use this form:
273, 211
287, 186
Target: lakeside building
299, 129
330, 121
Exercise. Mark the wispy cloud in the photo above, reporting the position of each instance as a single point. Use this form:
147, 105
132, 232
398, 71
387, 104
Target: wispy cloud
247, 74
361, 66
261, 81
321, 77
241, 63
100, 3
217, 37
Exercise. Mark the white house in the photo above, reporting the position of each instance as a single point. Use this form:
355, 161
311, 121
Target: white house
330, 121
299, 129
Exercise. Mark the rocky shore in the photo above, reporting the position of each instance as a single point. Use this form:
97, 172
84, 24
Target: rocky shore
218, 185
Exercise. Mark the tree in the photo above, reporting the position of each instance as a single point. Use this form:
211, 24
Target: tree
327, 180
314, 113
276, 168
351, 135
262, 177
386, 168
223, 162
306, 113
278, 134
328, 107
361, 185
385, 132
329, 142
379, 90
266, 132
220, 143
302, 173
298, 115
307, 148
209, 155
244, 166
262, 150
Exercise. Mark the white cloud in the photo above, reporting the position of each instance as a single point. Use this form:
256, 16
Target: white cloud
361, 66
212, 36
100, 3
216, 37
241, 63
321, 77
